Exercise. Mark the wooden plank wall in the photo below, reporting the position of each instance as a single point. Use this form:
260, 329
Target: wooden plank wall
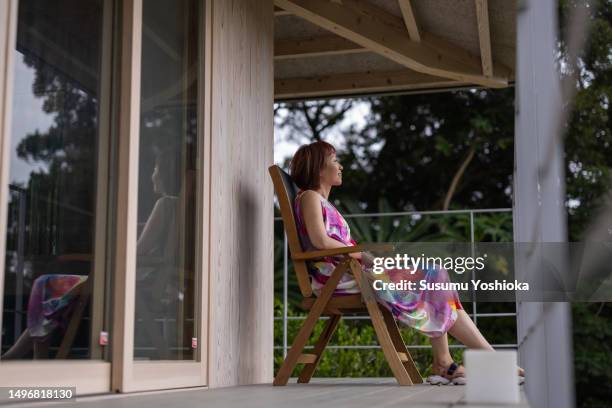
241, 236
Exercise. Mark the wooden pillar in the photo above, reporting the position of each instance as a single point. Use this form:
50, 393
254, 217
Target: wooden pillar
241, 226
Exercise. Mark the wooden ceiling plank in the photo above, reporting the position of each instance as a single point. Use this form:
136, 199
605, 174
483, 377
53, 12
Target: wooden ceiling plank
484, 36
315, 47
361, 23
410, 20
357, 83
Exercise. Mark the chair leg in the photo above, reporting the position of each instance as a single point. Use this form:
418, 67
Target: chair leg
328, 331
159, 342
400, 346
41, 348
384, 338
75, 321
282, 377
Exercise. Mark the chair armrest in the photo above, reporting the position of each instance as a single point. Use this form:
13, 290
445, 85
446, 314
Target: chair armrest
378, 246
303, 256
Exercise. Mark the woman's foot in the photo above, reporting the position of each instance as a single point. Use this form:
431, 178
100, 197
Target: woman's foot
521, 376
452, 372
449, 370
445, 373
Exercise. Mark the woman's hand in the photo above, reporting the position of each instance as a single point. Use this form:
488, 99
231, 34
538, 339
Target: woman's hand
367, 259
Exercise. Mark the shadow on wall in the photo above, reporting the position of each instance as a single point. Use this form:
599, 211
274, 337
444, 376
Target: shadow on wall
254, 277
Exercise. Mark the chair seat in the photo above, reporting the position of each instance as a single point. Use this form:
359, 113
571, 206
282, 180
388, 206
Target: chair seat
338, 304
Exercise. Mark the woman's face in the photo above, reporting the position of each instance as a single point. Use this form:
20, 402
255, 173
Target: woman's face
157, 182
331, 174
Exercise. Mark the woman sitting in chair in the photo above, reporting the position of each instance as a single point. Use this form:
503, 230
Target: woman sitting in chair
315, 169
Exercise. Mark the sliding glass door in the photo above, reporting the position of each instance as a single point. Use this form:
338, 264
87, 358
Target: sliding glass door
162, 209
56, 270
104, 277
165, 308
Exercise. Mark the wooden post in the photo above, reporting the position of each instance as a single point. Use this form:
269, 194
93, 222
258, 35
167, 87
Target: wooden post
240, 341
544, 329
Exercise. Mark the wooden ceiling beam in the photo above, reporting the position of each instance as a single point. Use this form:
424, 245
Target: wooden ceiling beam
366, 25
280, 12
315, 47
410, 20
484, 36
359, 83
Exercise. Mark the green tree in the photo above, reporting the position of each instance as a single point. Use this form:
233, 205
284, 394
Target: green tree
588, 158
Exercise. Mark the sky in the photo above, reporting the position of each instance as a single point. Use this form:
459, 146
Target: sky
356, 116
28, 116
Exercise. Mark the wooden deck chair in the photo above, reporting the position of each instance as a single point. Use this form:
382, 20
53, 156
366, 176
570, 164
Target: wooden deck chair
83, 297
386, 329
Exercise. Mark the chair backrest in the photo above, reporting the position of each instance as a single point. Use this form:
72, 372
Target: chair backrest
286, 191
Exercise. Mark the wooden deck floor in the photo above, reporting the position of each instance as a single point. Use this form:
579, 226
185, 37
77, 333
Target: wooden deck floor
354, 393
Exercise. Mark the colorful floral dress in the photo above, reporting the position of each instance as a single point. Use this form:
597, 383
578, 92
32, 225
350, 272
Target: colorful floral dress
431, 312
49, 300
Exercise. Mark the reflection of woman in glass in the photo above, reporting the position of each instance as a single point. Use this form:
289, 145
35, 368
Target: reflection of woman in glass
161, 222
158, 241
53, 296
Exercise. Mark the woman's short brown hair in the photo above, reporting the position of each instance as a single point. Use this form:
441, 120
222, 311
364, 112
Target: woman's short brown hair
307, 163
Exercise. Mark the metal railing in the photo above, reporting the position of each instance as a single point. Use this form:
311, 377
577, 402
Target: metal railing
20, 197
475, 315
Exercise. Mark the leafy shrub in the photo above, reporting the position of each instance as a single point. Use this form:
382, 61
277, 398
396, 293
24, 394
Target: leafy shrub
352, 362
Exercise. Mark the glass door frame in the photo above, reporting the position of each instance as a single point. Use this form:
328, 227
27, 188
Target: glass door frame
121, 373
89, 376
129, 375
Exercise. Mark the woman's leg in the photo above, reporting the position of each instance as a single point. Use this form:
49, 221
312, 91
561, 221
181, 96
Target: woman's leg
21, 347
441, 353
467, 333
442, 358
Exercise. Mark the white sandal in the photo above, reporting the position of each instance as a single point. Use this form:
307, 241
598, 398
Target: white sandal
459, 381
437, 380
441, 380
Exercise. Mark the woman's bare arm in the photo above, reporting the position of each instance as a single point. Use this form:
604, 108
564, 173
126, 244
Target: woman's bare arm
151, 233
313, 219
